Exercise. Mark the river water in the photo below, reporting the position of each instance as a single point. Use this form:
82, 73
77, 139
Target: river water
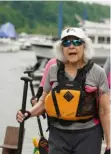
12, 66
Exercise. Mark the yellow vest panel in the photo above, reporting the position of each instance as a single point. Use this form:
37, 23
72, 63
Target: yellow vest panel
68, 108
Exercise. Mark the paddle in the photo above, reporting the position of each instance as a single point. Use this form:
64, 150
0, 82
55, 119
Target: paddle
24, 99
43, 143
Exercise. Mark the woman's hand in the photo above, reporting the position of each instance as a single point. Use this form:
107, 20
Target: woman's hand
20, 116
36, 110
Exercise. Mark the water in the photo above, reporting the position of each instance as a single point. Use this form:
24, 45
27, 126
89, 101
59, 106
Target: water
12, 66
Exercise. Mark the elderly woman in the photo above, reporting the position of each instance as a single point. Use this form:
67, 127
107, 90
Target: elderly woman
75, 97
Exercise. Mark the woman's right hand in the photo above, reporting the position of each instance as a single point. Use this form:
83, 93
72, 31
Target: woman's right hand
20, 116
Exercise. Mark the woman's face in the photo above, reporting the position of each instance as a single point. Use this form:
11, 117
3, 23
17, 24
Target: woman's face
73, 52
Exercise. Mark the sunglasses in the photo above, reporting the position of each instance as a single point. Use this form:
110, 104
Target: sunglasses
67, 43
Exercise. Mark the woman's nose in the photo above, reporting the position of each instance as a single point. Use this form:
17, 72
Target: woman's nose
71, 45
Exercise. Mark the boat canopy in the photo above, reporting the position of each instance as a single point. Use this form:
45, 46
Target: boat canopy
3, 35
8, 30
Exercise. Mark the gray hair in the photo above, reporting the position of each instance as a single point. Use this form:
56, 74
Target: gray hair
88, 51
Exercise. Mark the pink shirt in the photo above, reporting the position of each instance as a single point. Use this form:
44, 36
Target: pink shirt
50, 62
109, 77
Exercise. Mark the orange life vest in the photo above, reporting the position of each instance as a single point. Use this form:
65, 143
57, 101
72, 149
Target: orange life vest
69, 100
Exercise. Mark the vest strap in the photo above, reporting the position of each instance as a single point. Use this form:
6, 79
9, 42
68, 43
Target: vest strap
55, 104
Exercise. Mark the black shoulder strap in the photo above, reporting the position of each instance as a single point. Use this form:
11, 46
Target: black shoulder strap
88, 66
81, 75
55, 103
61, 71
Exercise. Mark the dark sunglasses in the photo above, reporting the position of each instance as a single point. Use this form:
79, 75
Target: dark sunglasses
67, 43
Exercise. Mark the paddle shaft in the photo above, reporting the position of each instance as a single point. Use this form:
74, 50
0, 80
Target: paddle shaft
38, 118
21, 129
33, 94
42, 149
43, 143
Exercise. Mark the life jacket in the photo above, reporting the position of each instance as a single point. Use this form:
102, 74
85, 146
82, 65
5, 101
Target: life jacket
69, 101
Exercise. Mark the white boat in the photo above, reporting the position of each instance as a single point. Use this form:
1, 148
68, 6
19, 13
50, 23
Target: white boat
43, 41
25, 43
9, 45
100, 36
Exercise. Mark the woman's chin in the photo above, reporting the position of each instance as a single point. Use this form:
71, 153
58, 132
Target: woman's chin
73, 60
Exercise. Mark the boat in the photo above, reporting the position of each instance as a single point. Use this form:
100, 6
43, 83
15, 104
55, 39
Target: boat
9, 45
99, 33
43, 41
25, 43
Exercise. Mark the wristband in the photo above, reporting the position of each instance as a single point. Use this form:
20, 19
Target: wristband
28, 116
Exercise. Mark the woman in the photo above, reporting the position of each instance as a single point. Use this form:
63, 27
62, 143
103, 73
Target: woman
75, 97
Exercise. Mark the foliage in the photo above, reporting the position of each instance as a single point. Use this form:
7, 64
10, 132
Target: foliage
42, 16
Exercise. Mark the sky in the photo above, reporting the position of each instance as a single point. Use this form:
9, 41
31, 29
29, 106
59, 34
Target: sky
104, 2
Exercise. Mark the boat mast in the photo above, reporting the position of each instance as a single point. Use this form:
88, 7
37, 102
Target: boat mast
60, 18
85, 17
